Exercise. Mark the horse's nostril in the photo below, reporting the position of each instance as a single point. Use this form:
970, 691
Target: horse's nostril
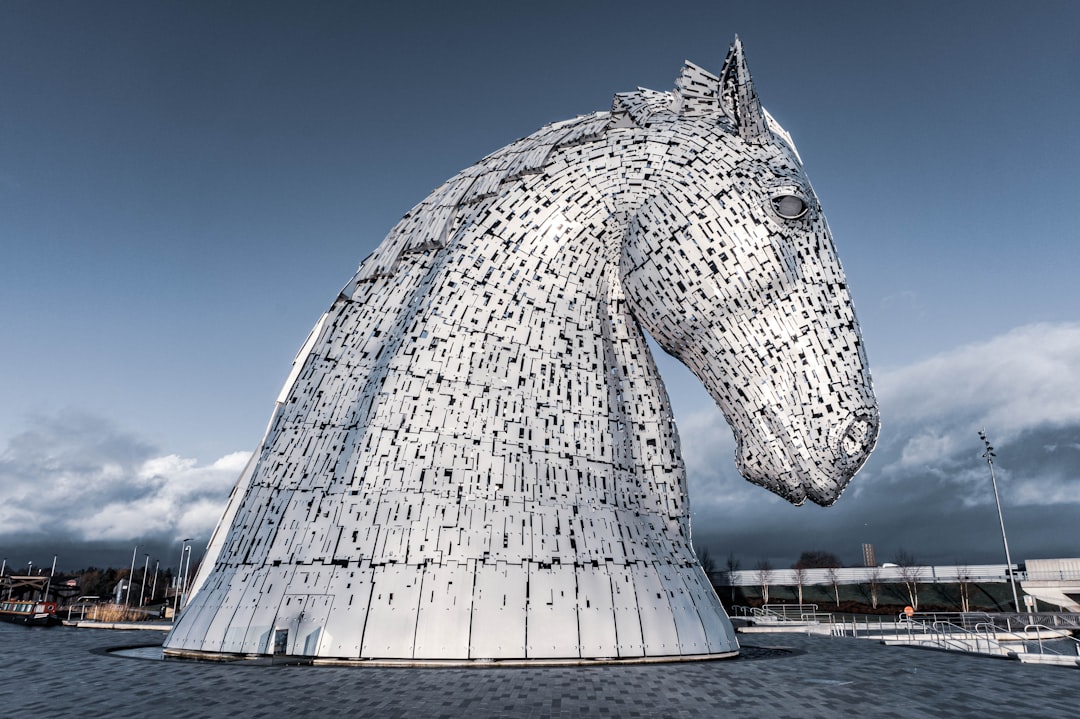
858, 438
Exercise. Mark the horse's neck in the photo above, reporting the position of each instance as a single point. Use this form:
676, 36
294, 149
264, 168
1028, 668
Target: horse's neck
506, 362
520, 314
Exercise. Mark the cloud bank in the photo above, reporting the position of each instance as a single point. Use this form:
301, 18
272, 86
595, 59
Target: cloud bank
77, 478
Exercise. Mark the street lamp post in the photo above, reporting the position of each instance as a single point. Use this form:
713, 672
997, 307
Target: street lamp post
142, 592
48, 584
131, 576
989, 455
187, 578
179, 576
153, 590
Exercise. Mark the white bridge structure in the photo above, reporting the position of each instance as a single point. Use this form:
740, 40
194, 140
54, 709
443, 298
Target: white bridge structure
924, 574
474, 456
1053, 581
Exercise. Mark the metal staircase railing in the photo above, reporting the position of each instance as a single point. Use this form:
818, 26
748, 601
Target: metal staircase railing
979, 633
801, 613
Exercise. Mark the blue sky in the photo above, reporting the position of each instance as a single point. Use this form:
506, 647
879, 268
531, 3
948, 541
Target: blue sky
184, 187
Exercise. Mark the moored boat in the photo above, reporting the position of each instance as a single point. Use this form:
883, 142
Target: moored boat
35, 613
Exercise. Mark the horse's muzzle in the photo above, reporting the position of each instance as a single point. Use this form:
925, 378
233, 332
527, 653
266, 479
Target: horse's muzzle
797, 468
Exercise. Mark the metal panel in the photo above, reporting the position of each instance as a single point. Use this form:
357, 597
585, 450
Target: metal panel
444, 613
688, 626
658, 633
259, 635
596, 615
498, 620
627, 617
344, 631
551, 627
391, 622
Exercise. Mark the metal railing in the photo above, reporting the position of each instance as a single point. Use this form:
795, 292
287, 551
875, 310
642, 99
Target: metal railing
779, 613
974, 632
1054, 634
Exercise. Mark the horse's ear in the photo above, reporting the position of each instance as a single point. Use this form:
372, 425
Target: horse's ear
621, 115
633, 109
739, 99
697, 91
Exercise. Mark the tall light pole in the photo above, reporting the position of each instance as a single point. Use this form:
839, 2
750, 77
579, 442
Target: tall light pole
989, 455
179, 575
153, 590
187, 578
142, 592
131, 576
48, 584
187, 574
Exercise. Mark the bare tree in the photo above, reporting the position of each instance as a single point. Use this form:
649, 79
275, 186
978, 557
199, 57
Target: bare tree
732, 566
909, 575
706, 561
874, 579
800, 579
834, 578
817, 559
764, 576
963, 578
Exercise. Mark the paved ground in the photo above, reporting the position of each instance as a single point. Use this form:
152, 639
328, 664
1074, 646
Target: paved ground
64, 671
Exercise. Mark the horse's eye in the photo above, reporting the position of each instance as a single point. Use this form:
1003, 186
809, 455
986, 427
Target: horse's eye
789, 207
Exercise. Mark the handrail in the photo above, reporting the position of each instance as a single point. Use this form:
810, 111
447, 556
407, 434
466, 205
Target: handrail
960, 632
791, 613
1057, 632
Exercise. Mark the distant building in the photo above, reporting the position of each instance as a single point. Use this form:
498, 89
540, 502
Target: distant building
1054, 581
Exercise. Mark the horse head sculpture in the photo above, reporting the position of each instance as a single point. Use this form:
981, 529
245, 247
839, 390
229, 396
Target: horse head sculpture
754, 300
474, 456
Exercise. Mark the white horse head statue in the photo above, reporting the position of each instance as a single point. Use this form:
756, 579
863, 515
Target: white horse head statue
474, 456
738, 279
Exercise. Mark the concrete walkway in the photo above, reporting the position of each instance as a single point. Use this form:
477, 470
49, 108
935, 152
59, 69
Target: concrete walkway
64, 671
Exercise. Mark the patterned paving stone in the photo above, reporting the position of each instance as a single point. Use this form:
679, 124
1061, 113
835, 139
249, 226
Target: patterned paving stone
67, 672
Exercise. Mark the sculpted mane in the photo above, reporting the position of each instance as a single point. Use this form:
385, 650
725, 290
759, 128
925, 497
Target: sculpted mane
429, 225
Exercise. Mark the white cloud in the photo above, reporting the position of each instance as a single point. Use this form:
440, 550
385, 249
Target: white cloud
927, 476
926, 447
1012, 385
1024, 378
78, 477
